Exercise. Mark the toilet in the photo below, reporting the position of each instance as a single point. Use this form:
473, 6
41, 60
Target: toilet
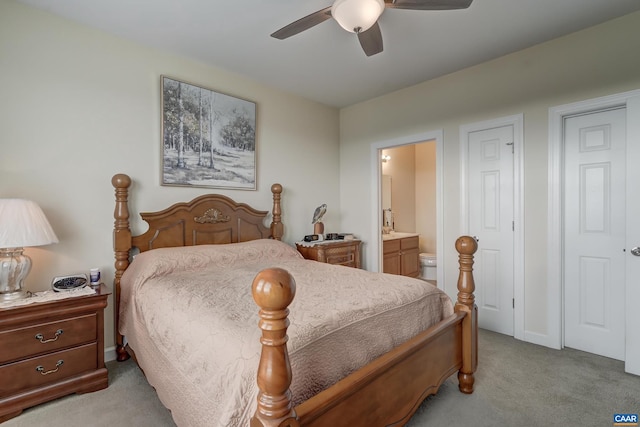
428, 266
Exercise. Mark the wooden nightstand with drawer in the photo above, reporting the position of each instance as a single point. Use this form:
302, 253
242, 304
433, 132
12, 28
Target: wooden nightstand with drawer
341, 252
51, 349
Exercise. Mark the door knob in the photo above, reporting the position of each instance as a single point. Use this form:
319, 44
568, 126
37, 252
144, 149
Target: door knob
635, 251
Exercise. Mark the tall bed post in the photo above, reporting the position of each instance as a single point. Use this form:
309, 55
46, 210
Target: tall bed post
466, 247
273, 290
277, 229
121, 248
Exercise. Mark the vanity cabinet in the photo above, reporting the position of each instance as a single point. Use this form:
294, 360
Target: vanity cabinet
401, 256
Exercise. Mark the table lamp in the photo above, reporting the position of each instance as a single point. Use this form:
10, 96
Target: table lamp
22, 223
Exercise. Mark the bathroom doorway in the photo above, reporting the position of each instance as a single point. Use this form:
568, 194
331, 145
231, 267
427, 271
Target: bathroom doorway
413, 166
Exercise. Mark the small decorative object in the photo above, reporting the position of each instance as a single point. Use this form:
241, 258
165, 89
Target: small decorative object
318, 226
95, 276
22, 223
212, 216
208, 137
69, 283
387, 221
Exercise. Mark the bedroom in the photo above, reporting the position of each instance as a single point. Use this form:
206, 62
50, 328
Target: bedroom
79, 105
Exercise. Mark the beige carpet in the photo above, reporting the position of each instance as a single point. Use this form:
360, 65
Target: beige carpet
128, 401
517, 384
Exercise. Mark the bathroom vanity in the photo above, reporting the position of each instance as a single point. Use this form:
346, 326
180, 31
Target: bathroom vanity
401, 254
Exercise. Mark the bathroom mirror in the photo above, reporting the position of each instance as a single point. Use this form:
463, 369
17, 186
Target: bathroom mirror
386, 192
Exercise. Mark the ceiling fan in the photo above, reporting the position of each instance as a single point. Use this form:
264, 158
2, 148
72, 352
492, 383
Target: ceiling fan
361, 17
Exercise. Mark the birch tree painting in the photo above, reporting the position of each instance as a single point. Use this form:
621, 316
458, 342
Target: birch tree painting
208, 138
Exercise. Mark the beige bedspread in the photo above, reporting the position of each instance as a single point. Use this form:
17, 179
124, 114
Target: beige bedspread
189, 315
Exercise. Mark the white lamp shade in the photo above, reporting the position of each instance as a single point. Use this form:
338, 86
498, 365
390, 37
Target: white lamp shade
22, 223
357, 15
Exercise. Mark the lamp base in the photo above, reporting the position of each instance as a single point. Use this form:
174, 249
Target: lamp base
14, 268
12, 296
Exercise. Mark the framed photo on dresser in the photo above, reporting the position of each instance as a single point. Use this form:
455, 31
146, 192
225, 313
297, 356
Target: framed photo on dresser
208, 137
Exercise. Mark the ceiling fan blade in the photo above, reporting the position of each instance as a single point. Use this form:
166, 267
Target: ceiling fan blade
303, 24
428, 4
371, 40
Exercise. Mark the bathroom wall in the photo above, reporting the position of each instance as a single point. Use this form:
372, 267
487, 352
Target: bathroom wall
425, 196
413, 190
401, 168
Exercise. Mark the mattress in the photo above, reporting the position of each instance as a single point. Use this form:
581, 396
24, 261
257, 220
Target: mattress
189, 315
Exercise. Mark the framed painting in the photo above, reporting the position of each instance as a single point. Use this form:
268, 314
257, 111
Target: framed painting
208, 137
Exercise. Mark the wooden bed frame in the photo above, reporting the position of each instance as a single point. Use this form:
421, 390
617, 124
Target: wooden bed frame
386, 392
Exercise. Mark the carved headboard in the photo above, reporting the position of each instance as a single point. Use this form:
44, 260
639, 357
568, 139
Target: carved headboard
208, 219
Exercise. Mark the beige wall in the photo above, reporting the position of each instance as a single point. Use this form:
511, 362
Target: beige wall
401, 168
78, 106
425, 196
595, 62
413, 171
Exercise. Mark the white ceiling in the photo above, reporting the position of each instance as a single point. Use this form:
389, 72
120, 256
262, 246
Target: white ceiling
326, 63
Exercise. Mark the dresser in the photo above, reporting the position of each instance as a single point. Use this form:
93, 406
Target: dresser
340, 252
401, 255
51, 349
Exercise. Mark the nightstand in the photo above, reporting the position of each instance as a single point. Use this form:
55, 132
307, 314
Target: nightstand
342, 252
51, 349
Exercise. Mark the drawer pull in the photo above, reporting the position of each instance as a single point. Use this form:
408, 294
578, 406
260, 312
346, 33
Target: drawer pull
40, 337
40, 368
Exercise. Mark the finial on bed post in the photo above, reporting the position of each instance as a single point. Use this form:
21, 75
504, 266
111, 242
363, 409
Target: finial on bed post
466, 247
121, 247
277, 229
273, 290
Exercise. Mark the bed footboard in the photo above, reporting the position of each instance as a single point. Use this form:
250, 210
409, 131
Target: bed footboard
388, 391
273, 290
466, 247
121, 247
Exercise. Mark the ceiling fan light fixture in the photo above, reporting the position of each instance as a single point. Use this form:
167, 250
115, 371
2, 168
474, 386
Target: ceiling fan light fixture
357, 15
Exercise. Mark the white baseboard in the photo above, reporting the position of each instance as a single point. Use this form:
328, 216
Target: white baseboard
110, 354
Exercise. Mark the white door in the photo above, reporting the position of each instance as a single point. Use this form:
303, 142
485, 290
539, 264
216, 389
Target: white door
595, 232
490, 206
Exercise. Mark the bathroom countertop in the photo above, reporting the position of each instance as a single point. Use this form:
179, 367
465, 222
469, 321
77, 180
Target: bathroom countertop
398, 235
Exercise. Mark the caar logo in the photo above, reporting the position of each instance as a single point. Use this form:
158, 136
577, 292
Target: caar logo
625, 419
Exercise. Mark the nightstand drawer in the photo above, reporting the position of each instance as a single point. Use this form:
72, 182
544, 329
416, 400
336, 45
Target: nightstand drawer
341, 256
29, 341
338, 252
37, 371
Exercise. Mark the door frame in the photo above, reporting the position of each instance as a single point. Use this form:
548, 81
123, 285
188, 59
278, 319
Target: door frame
555, 303
517, 121
376, 184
